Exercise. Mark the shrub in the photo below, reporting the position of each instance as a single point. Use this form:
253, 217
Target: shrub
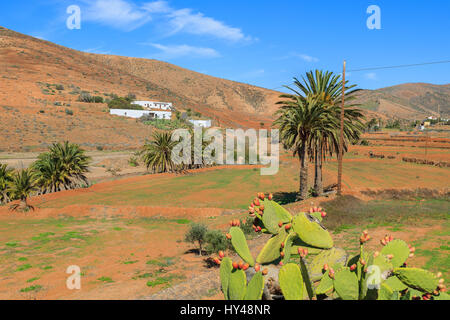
215, 241
69, 112
59, 87
196, 234
86, 97
123, 103
98, 99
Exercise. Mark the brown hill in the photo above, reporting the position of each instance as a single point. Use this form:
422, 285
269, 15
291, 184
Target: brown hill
408, 101
41, 83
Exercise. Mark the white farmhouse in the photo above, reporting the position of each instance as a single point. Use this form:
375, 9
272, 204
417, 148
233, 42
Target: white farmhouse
155, 110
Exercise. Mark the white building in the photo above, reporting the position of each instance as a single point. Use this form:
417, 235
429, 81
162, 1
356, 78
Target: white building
150, 105
155, 110
136, 114
201, 123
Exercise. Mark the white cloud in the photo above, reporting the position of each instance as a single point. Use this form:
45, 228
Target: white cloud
176, 51
116, 13
126, 15
306, 57
302, 56
96, 50
185, 20
371, 76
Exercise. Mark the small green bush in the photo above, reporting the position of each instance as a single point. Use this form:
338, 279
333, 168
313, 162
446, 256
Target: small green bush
196, 234
215, 241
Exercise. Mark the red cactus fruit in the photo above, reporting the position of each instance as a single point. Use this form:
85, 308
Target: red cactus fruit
323, 214
235, 265
280, 224
228, 236
353, 267
270, 196
265, 272
282, 254
257, 267
262, 196
221, 254
256, 202
245, 266
288, 226
217, 261
282, 245
261, 207
281, 263
241, 264
325, 267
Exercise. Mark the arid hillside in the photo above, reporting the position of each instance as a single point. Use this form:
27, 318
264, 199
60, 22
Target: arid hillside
408, 101
41, 83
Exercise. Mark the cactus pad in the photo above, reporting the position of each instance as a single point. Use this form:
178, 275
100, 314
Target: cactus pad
346, 284
240, 245
225, 272
395, 284
326, 284
291, 282
255, 287
271, 251
399, 249
330, 257
416, 278
311, 231
238, 285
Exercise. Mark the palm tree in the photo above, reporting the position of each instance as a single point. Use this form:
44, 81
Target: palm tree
326, 89
297, 119
22, 185
157, 153
5, 180
63, 167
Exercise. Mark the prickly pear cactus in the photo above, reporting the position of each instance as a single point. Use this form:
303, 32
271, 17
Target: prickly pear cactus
330, 257
255, 287
287, 249
416, 278
326, 284
395, 284
311, 232
237, 288
226, 267
399, 250
271, 251
240, 245
346, 284
291, 282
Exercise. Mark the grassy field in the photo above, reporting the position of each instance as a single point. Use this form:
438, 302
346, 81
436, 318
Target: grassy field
232, 188
134, 258
124, 255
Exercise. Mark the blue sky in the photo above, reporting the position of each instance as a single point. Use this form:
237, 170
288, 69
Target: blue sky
265, 43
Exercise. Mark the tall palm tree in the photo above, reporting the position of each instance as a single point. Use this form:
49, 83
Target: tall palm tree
63, 167
23, 184
297, 119
326, 89
5, 180
157, 153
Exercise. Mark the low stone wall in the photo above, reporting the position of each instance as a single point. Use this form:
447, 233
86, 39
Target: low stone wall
441, 164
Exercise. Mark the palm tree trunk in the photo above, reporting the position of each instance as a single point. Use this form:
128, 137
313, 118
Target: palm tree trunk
318, 182
303, 192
